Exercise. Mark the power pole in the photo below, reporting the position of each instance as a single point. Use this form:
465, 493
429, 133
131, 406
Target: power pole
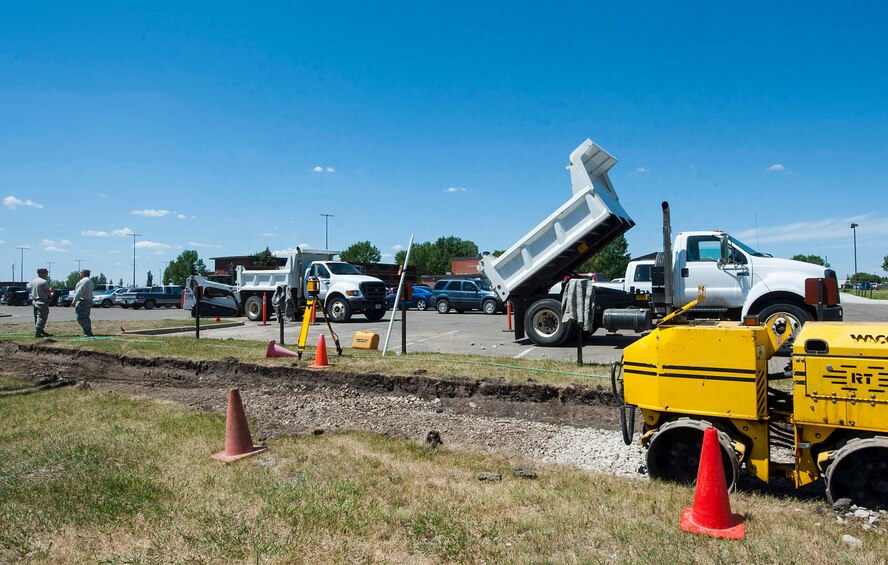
854, 229
326, 232
135, 235
22, 266
79, 261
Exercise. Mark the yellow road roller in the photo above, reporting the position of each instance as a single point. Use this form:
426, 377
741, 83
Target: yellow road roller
825, 415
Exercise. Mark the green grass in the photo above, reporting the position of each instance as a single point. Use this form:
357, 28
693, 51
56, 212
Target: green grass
93, 477
875, 294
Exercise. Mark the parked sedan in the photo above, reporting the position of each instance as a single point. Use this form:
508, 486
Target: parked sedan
107, 298
421, 299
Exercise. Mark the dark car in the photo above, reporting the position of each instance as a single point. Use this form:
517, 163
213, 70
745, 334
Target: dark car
58, 293
421, 299
16, 297
465, 294
66, 299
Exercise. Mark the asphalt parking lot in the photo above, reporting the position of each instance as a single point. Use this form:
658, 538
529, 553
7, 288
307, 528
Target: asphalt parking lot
468, 333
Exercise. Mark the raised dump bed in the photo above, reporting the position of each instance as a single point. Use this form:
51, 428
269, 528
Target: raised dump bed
592, 218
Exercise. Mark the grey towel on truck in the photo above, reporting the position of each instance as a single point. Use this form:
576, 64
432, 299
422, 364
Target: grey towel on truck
578, 303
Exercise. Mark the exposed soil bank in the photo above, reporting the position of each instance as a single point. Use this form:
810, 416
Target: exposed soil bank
491, 414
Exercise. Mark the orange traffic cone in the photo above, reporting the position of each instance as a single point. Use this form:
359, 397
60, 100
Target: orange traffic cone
711, 514
238, 442
321, 355
275, 350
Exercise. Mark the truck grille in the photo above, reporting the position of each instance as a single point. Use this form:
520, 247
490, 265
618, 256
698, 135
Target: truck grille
373, 290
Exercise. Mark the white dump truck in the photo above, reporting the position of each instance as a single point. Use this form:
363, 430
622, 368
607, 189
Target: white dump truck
344, 290
739, 280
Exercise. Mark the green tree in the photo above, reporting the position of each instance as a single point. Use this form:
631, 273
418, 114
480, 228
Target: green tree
71, 282
265, 258
435, 258
610, 261
99, 280
120, 282
885, 263
361, 252
185, 265
445, 249
149, 279
814, 259
497, 252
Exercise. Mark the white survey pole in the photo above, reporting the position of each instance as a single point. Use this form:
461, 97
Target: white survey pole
398, 295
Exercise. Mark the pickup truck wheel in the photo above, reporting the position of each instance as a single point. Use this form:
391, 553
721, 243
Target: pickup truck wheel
339, 310
543, 325
421, 304
442, 306
489, 307
253, 308
374, 315
793, 316
149, 304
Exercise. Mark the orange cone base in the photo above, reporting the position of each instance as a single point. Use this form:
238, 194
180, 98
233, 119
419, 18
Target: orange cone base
736, 531
229, 458
314, 366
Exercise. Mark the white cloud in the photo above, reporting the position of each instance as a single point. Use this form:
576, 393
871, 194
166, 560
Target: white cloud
269, 234
642, 170
54, 249
160, 253
2, 242
151, 245
49, 242
775, 167
196, 244
150, 213
320, 169
121, 232
12, 203
819, 230
291, 250
454, 189
392, 255
331, 170
182, 217
396, 247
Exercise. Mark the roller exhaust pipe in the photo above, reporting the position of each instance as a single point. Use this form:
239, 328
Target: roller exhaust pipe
667, 258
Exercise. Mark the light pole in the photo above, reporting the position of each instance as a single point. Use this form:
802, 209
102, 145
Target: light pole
79, 261
854, 229
135, 235
22, 266
326, 233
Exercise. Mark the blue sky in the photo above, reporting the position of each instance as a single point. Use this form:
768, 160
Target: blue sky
228, 127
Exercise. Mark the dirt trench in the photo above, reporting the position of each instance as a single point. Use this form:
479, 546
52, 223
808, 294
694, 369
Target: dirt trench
491, 414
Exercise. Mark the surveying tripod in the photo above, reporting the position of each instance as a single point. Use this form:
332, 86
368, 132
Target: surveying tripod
313, 288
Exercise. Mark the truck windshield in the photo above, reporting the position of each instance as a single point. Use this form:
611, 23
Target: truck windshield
343, 269
737, 243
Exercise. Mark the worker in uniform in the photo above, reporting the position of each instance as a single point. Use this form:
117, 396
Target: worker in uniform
40, 300
83, 299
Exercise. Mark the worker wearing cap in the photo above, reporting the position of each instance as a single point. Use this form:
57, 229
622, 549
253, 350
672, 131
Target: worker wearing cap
40, 300
83, 300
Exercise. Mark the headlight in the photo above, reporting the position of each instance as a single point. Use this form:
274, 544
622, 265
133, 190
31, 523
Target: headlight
353, 293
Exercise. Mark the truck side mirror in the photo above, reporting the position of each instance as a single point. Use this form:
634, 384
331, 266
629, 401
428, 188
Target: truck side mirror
725, 252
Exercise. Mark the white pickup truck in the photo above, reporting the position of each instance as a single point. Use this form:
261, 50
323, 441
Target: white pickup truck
739, 280
343, 289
